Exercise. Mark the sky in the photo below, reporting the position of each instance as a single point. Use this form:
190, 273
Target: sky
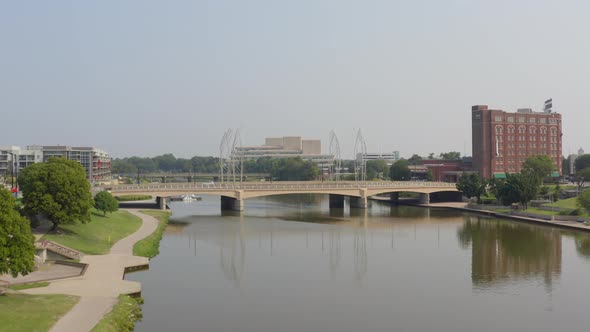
151, 77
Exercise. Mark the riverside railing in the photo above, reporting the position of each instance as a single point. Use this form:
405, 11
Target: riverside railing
279, 186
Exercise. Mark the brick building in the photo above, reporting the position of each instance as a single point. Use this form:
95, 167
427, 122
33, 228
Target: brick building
502, 141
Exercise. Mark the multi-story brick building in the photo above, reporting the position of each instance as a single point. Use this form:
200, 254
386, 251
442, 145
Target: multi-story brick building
502, 141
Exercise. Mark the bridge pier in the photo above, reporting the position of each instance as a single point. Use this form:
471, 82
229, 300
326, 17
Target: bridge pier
425, 199
161, 202
361, 202
231, 204
336, 201
358, 202
394, 197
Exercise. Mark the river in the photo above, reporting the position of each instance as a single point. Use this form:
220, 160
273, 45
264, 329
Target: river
289, 264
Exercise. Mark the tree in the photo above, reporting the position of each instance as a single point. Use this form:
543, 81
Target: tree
17, 252
540, 165
453, 155
582, 176
584, 200
471, 185
120, 166
105, 202
415, 159
293, 169
518, 188
400, 170
58, 190
376, 168
556, 192
582, 162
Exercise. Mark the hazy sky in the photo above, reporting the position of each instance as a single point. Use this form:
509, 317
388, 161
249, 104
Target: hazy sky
150, 77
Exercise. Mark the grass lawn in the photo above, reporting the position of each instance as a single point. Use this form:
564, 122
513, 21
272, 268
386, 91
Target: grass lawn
22, 312
150, 246
128, 198
98, 236
538, 211
123, 316
28, 286
569, 203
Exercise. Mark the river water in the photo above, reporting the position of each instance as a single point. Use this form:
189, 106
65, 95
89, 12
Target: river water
289, 264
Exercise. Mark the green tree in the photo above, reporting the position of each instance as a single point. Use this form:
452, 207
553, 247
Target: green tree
471, 185
582, 176
540, 165
16, 242
105, 202
518, 188
293, 169
415, 160
122, 166
453, 155
58, 190
165, 162
376, 168
400, 171
582, 162
556, 192
584, 200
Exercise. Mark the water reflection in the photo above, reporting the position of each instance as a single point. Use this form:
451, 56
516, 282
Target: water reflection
505, 251
291, 266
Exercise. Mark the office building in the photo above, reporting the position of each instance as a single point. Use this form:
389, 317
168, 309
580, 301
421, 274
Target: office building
96, 162
502, 141
390, 158
287, 147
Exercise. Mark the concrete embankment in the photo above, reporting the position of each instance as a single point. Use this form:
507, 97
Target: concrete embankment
569, 224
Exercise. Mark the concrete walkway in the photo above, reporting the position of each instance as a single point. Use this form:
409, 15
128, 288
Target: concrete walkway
102, 283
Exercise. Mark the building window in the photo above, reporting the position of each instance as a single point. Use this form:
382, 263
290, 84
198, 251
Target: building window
532, 130
553, 131
498, 118
521, 129
532, 120
510, 129
521, 119
553, 121
499, 129
510, 119
542, 120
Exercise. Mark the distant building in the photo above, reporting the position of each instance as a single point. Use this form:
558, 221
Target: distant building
572, 163
287, 147
502, 141
441, 170
96, 162
20, 158
390, 158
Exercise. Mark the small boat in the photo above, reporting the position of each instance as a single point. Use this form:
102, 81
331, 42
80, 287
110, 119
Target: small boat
190, 197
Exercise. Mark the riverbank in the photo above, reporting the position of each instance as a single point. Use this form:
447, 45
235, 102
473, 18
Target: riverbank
465, 208
101, 285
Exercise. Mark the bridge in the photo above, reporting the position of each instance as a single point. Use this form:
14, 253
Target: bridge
234, 194
188, 176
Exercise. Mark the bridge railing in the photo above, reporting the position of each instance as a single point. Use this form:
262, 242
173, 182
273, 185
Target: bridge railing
279, 186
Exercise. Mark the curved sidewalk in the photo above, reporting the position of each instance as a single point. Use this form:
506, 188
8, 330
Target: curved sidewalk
102, 283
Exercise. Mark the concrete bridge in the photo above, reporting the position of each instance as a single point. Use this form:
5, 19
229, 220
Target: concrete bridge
234, 194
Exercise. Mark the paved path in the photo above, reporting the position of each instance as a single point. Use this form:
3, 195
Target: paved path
102, 283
